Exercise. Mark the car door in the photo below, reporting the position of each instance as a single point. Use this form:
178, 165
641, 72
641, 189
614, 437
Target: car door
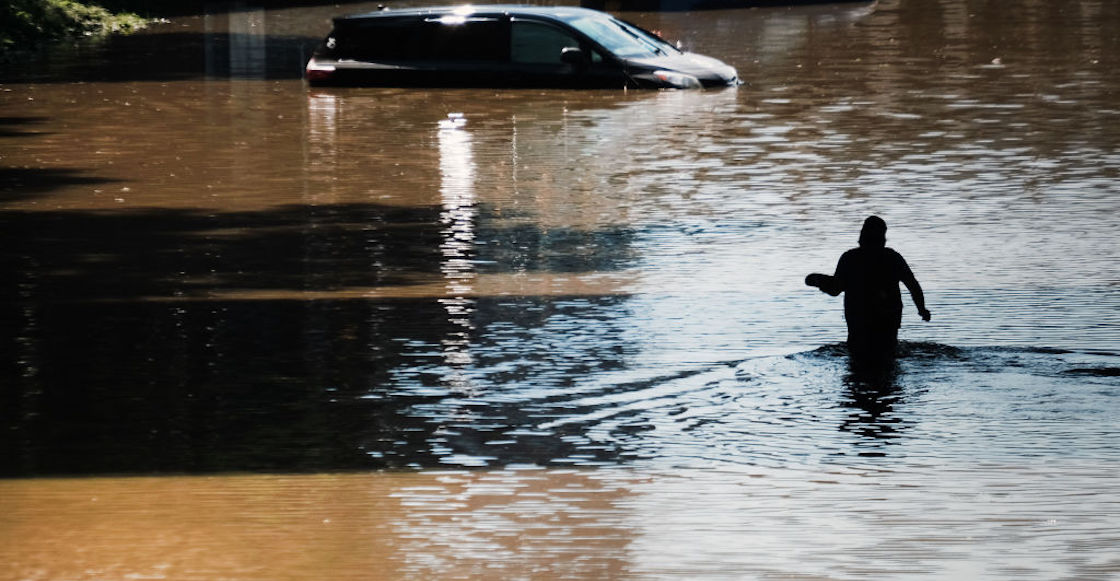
543, 54
462, 51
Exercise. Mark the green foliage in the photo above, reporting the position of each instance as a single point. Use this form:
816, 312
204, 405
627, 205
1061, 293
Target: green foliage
28, 23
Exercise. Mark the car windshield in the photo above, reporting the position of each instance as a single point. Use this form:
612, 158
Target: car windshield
622, 39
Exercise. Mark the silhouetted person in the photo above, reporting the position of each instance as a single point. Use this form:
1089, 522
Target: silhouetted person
869, 276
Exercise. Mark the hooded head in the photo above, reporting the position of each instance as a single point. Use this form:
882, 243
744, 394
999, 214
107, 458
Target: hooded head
874, 233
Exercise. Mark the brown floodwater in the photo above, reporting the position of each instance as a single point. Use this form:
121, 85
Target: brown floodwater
255, 330
560, 524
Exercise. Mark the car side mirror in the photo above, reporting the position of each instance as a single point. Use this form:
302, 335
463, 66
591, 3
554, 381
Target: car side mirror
574, 56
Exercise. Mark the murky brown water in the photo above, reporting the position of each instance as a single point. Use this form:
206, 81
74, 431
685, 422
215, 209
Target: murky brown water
566, 337
563, 524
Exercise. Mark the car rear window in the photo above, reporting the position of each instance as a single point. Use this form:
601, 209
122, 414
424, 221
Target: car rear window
372, 39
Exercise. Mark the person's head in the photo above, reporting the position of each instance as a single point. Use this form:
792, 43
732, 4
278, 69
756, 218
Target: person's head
874, 233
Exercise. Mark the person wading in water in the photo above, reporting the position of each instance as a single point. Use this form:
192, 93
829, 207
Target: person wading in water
869, 276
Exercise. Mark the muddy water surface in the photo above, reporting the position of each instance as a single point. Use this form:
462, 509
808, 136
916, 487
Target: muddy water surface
526, 334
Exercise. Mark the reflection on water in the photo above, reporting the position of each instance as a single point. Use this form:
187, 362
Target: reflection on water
446, 525
457, 177
209, 268
927, 522
247, 33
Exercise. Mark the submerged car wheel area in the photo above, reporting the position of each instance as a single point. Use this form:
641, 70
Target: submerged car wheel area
506, 46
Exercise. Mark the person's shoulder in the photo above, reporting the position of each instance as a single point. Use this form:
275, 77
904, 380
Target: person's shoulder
896, 258
847, 257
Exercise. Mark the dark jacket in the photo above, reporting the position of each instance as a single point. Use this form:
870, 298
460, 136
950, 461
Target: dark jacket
869, 276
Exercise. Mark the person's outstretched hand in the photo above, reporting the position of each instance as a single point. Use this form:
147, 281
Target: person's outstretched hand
925, 314
827, 284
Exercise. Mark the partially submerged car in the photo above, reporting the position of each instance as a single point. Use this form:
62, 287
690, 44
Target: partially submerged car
506, 46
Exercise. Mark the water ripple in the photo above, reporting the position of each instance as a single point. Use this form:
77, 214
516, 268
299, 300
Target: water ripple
988, 404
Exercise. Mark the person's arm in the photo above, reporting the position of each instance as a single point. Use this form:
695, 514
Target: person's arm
916, 294
827, 284
831, 285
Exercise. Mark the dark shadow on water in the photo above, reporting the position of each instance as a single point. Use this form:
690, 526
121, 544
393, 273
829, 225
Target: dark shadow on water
134, 255
169, 55
227, 386
114, 360
22, 183
1095, 371
10, 126
26, 183
142, 254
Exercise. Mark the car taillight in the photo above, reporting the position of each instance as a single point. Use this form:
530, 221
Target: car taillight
319, 72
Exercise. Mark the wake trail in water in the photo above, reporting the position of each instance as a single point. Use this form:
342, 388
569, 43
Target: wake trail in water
943, 402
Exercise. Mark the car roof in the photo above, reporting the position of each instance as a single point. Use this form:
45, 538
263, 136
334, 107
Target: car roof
476, 10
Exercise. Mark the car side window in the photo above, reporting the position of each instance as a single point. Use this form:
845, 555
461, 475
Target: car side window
539, 43
470, 40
